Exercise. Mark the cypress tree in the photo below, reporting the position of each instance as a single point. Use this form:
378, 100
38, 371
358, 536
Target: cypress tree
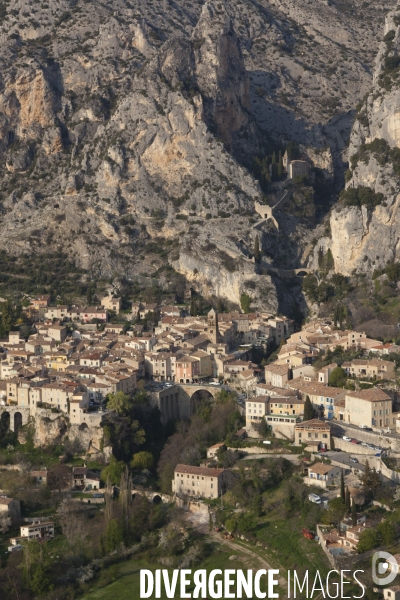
274, 167
342, 491
280, 164
308, 410
193, 307
257, 249
347, 501
320, 257
353, 513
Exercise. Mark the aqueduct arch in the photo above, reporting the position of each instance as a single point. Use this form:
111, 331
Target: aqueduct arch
17, 415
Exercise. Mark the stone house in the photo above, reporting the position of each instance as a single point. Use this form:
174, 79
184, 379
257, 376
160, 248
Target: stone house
212, 450
78, 405
325, 372
277, 375
322, 396
59, 312
111, 303
256, 409
187, 369
12, 508
313, 432
41, 301
198, 481
392, 592
374, 368
322, 475
372, 407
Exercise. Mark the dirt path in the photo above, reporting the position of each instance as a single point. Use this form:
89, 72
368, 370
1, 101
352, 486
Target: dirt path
251, 558
257, 561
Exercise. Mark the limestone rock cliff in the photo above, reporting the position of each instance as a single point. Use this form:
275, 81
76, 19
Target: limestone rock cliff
128, 131
365, 236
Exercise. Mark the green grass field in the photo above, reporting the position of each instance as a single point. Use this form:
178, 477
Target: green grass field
126, 584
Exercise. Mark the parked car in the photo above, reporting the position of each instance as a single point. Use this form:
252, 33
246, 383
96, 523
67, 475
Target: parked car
353, 441
314, 498
353, 460
337, 450
365, 427
364, 444
346, 438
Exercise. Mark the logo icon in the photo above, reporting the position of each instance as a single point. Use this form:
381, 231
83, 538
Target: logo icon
384, 568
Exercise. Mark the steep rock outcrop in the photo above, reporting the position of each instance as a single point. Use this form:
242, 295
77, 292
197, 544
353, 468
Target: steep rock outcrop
364, 236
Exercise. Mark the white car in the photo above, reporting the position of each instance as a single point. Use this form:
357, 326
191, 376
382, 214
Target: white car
214, 383
314, 498
346, 438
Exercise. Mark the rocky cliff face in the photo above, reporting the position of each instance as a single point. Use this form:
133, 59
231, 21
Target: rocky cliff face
364, 237
127, 129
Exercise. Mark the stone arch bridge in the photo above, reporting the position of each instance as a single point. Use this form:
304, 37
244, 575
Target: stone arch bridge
18, 415
155, 497
178, 401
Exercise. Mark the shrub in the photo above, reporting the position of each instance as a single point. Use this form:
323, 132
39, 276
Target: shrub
361, 196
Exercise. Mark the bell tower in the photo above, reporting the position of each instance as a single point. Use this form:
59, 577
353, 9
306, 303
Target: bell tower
212, 326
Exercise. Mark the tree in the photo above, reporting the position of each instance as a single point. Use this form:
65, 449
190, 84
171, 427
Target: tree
309, 412
347, 501
262, 428
328, 260
369, 539
342, 490
340, 313
257, 249
320, 257
274, 167
193, 307
338, 377
5, 523
387, 531
230, 525
370, 480
280, 165
336, 511
245, 302
142, 460
113, 536
118, 402
58, 477
113, 471
353, 513
72, 521
257, 505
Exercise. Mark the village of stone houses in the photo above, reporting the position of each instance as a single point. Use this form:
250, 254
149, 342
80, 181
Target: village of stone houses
154, 433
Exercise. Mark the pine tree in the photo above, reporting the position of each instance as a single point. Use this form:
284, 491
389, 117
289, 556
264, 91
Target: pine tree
342, 491
257, 249
353, 513
308, 410
280, 164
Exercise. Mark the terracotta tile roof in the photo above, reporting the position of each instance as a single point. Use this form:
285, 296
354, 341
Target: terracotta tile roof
313, 424
320, 468
371, 395
188, 469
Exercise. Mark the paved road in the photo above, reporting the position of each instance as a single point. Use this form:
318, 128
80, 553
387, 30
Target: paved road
344, 459
395, 436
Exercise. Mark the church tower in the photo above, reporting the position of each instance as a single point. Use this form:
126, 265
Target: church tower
212, 326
